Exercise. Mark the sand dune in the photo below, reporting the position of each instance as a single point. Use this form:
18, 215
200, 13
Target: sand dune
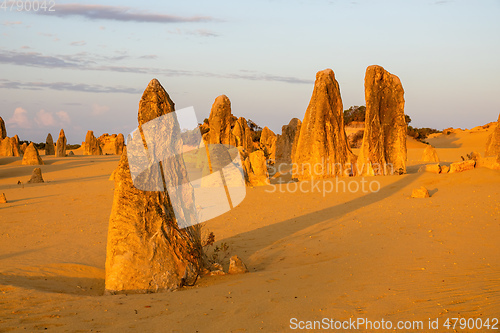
311, 256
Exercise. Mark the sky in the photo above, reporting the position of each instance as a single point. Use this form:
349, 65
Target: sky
84, 65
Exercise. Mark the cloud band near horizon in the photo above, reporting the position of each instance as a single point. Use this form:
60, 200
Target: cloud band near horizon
119, 13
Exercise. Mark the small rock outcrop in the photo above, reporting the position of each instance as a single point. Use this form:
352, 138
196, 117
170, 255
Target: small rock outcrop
430, 154
92, 146
61, 145
241, 135
3, 131
322, 148
254, 167
268, 143
146, 250
493, 143
421, 192
31, 156
3, 198
462, 166
286, 143
236, 266
36, 176
383, 150
49, 145
119, 144
432, 168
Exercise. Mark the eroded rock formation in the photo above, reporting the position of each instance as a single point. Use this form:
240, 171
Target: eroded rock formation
92, 146
383, 150
268, 143
430, 154
3, 131
146, 249
36, 176
61, 145
286, 143
322, 148
49, 145
31, 156
119, 144
493, 143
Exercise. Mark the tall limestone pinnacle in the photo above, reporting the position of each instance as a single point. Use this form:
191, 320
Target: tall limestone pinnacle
49, 145
3, 131
220, 121
146, 250
383, 150
322, 147
61, 144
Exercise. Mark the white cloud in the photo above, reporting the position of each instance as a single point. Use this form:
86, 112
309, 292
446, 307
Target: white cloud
19, 119
44, 118
63, 117
99, 109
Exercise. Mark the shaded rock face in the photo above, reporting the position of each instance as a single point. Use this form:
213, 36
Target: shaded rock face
493, 143
92, 146
241, 135
14, 142
119, 144
322, 147
36, 176
3, 198
49, 145
254, 167
31, 156
61, 145
23, 147
268, 143
3, 131
383, 150
146, 250
286, 143
430, 154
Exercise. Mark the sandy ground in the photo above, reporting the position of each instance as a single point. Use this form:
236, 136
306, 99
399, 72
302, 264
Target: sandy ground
311, 256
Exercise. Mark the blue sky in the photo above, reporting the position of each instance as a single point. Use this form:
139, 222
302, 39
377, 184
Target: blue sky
85, 65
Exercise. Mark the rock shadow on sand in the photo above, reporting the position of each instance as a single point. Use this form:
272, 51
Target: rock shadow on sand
281, 230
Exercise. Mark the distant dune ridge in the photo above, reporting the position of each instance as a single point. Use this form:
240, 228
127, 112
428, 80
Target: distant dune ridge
384, 140
322, 140
146, 250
